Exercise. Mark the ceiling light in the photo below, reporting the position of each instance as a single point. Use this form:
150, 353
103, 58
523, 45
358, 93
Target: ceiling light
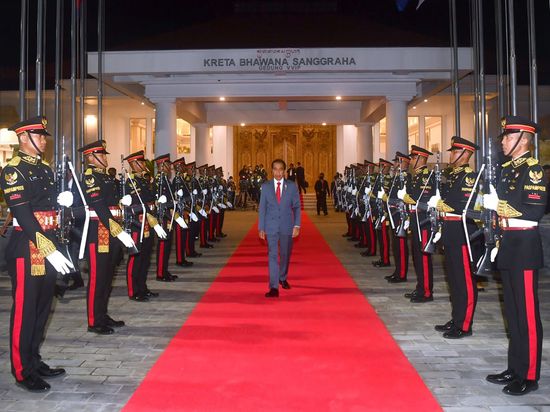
414, 107
338, 97
222, 99
143, 103
243, 125
425, 100
324, 123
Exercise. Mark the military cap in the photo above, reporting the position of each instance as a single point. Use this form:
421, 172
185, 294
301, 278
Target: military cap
419, 151
162, 158
515, 124
399, 155
99, 146
369, 163
458, 142
33, 125
219, 171
190, 166
178, 161
384, 162
135, 156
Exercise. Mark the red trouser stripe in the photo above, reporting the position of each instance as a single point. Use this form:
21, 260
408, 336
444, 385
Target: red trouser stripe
93, 284
403, 272
160, 263
469, 289
425, 267
129, 278
178, 243
531, 323
385, 252
18, 319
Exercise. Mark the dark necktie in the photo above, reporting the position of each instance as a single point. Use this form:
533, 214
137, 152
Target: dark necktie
278, 192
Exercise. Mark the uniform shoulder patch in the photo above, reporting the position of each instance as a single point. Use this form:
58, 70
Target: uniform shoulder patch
88, 171
536, 175
90, 181
14, 161
532, 161
506, 164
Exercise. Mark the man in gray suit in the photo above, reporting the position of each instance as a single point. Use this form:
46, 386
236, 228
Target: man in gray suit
279, 223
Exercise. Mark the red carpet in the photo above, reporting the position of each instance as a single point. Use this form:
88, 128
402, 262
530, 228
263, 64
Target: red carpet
319, 347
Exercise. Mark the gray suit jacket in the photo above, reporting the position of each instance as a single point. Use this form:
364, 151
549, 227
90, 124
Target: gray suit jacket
279, 217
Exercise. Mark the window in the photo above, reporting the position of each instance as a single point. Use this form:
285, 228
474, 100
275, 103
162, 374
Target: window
183, 131
138, 134
382, 145
414, 130
433, 130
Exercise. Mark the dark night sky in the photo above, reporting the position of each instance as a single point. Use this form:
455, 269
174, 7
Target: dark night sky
207, 24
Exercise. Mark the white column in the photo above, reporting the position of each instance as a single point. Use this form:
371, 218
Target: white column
165, 127
228, 169
364, 142
202, 146
149, 139
346, 146
396, 127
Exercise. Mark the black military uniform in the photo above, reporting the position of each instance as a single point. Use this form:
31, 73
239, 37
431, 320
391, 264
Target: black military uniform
420, 184
400, 245
138, 264
223, 193
383, 235
164, 246
182, 210
101, 195
522, 199
367, 227
190, 188
462, 284
28, 185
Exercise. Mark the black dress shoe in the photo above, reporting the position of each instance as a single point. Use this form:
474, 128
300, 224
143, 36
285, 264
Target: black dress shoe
185, 263
207, 246
173, 277
273, 293
78, 283
353, 239
411, 294
380, 264
520, 387
446, 327
422, 299
195, 254
502, 378
390, 276
166, 278
214, 239
139, 298
101, 330
360, 245
367, 253
47, 372
457, 333
109, 321
222, 235
397, 279
284, 284
150, 294
34, 383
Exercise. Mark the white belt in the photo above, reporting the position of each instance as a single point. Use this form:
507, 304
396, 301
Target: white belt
115, 213
15, 222
512, 222
412, 208
452, 215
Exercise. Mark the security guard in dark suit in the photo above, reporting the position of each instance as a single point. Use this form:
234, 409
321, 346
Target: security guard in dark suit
140, 196
399, 240
450, 205
520, 200
101, 195
422, 186
33, 259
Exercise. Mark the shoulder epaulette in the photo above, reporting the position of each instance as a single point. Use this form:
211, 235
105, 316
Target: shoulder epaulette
468, 169
88, 171
14, 161
532, 161
45, 163
507, 163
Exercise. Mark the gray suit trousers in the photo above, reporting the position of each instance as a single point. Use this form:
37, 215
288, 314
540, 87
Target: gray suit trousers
278, 245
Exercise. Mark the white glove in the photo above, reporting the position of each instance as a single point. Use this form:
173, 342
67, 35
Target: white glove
229, 204
494, 254
126, 200
160, 231
162, 199
490, 201
195, 191
222, 206
338, 189
65, 198
434, 200
203, 213
215, 209
181, 222
380, 194
60, 263
180, 193
350, 189
354, 192
345, 188
220, 187
368, 190
126, 239
193, 217
204, 191
401, 193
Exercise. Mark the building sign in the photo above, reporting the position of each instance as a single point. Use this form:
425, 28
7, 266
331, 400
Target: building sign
280, 60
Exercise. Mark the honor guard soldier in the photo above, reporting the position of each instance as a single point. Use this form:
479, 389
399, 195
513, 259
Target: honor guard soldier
400, 219
202, 208
450, 205
141, 200
380, 190
194, 225
33, 259
165, 208
368, 225
421, 190
183, 207
213, 217
520, 201
101, 195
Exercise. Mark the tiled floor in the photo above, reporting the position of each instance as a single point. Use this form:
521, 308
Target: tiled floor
103, 371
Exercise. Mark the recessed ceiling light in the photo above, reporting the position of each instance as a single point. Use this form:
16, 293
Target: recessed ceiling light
414, 107
243, 125
425, 100
143, 103
222, 99
338, 97
324, 123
